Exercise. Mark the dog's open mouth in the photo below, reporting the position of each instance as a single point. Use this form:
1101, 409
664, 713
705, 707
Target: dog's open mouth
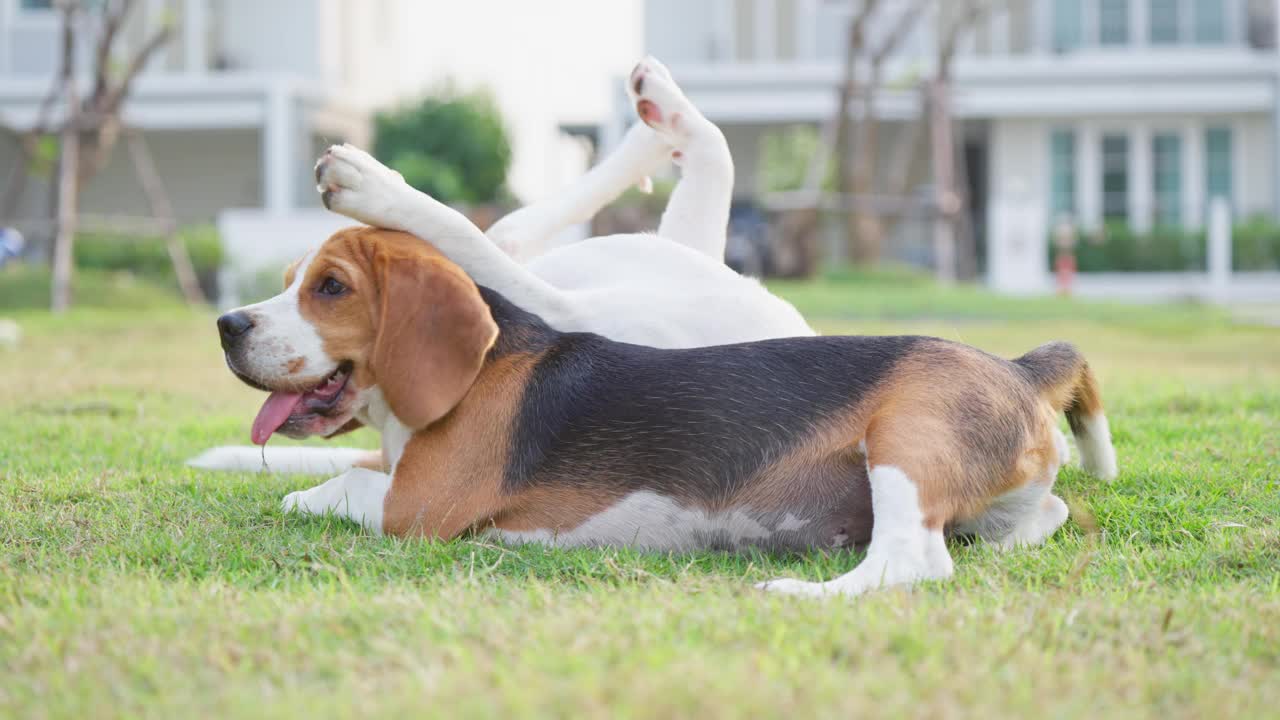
281, 406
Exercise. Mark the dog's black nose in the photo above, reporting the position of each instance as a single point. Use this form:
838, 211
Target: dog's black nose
232, 326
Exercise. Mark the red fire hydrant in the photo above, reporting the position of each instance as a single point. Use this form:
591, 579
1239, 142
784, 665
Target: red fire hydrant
1064, 264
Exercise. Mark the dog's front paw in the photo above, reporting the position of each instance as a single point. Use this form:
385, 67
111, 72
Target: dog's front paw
351, 182
292, 502
313, 501
788, 586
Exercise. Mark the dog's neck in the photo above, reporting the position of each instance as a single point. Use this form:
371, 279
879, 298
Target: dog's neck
519, 331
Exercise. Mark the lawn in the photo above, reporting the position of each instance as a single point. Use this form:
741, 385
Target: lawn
132, 586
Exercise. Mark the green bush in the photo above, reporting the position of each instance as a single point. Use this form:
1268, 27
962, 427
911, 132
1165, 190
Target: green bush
1119, 249
148, 257
1255, 245
785, 155
451, 146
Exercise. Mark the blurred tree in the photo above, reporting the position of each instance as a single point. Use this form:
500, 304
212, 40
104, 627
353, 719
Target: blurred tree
453, 147
89, 127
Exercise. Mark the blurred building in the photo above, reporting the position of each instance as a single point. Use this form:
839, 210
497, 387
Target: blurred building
234, 107
1098, 111
239, 103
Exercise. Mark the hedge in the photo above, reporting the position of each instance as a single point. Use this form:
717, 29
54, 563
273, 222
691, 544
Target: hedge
148, 257
1255, 245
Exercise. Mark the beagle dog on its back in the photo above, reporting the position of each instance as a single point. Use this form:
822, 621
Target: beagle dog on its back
495, 423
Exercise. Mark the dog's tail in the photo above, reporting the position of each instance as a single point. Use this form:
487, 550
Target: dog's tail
286, 460
1064, 379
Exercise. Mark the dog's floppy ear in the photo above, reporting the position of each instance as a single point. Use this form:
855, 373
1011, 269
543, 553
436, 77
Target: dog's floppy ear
434, 331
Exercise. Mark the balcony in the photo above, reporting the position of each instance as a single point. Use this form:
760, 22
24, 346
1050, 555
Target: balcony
813, 32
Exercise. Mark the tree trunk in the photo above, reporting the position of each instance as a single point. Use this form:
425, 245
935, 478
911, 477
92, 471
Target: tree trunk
869, 225
68, 198
68, 207
868, 228
944, 240
843, 149
844, 125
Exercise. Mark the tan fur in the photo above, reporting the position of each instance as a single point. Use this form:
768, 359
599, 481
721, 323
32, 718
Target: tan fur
449, 479
963, 426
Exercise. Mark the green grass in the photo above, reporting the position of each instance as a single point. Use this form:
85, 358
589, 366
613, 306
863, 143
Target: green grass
131, 586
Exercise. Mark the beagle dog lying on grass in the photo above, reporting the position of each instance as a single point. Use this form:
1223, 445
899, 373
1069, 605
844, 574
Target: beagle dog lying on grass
668, 290
494, 422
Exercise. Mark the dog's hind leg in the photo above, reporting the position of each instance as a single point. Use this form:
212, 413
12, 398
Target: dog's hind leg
697, 214
533, 230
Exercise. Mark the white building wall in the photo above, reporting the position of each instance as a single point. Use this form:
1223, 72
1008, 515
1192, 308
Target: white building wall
203, 172
1252, 164
1020, 182
278, 36
679, 31
1018, 205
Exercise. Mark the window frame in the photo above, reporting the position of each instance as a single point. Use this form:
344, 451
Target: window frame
1227, 153
1063, 165
1125, 214
1168, 212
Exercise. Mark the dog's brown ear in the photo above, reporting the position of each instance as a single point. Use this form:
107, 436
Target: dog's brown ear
434, 331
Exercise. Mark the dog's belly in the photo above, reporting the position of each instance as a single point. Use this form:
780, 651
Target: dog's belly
647, 520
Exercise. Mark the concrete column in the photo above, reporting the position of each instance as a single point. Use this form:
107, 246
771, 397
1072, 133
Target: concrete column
1193, 175
1234, 17
726, 25
806, 30
1089, 175
1219, 259
1042, 27
1089, 31
1139, 24
1275, 121
195, 33
1018, 211
1141, 178
765, 27
279, 166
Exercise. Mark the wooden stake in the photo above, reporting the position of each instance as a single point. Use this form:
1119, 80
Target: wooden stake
162, 210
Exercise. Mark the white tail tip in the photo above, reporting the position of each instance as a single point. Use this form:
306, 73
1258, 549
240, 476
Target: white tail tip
279, 460
1097, 454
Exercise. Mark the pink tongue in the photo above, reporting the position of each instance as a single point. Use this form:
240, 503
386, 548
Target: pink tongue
278, 407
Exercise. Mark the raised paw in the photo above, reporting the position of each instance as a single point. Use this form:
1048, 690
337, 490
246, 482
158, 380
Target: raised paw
351, 182
663, 106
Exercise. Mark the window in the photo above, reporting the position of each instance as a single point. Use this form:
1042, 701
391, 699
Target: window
1068, 26
1166, 19
1115, 177
1217, 163
1113, 22
1166, 152
1210, 22
1062, 177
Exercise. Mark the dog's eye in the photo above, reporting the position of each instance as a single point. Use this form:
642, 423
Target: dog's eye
329, 286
